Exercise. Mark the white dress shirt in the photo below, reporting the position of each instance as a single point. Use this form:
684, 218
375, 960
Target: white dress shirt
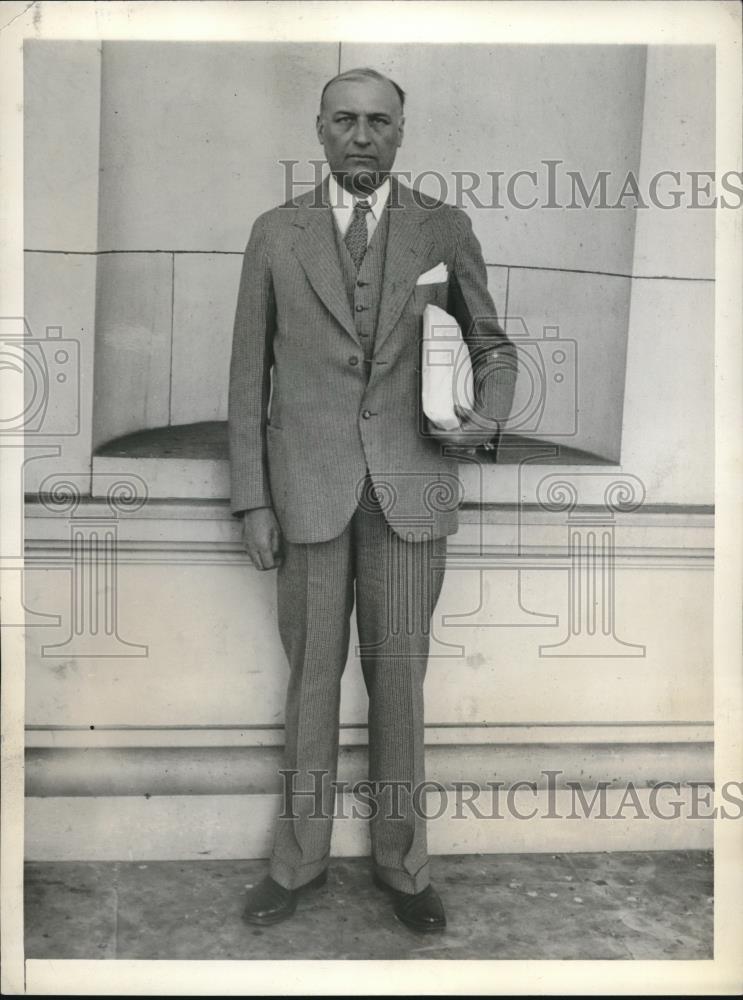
342, 203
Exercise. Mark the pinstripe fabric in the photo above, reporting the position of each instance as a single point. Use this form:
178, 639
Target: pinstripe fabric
307, 456
396, 584
340, 354
364, 286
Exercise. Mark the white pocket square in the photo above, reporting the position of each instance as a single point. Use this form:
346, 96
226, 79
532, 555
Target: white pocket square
438, 273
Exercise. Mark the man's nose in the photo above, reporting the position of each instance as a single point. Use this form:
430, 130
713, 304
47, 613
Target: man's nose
361, 135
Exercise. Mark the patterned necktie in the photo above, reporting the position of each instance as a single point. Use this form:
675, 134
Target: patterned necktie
357, 236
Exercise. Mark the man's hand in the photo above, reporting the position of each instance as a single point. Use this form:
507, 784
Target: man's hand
262, 537
471, 434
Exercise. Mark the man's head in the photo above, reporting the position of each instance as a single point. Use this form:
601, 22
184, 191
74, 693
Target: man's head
360, 126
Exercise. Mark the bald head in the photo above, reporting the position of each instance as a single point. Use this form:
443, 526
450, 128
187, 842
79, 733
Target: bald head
363, 73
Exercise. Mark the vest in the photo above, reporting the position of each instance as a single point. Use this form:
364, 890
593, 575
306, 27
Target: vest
364, 289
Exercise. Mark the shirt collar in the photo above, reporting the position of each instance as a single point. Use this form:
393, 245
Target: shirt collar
343, 201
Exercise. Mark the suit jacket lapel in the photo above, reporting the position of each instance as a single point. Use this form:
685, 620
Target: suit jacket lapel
317, 252
407, 247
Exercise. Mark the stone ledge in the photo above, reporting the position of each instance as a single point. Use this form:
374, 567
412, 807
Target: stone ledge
179, 827
255, 770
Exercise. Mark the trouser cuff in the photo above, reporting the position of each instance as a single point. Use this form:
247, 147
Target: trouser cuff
295, 877
403, 881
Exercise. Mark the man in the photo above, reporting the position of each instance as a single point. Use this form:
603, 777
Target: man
339, 483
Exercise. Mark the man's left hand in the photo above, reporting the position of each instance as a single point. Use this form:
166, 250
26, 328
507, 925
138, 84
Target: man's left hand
473, 432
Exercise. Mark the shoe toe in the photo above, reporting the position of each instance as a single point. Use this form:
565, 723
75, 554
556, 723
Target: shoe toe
268, 903
424, 911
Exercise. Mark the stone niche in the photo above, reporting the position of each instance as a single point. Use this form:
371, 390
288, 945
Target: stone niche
138, 210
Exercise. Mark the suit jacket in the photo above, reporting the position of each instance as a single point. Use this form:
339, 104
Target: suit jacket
307, 417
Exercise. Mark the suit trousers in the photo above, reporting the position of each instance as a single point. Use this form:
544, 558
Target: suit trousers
396, 584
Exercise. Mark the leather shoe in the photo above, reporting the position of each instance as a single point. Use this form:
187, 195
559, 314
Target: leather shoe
270, 903
422, 911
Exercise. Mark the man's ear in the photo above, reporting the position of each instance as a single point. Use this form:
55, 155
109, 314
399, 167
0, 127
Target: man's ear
401, 131
319, 129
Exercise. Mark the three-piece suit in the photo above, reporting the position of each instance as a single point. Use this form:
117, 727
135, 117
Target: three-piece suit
325, 427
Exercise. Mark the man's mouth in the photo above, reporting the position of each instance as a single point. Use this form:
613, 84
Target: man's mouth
360, 156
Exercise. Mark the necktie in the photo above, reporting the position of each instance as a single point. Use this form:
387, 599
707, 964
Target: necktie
357, 235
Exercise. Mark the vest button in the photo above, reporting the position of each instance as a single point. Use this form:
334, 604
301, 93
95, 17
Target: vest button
360, 309
353, 360
366, 414
362, 284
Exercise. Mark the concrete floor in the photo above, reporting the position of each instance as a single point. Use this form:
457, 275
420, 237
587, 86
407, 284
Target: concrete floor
538, 906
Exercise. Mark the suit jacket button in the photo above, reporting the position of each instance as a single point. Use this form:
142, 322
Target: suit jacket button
353, 360
366, 414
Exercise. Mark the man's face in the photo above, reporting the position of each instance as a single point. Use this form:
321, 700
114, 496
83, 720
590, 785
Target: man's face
360, 126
